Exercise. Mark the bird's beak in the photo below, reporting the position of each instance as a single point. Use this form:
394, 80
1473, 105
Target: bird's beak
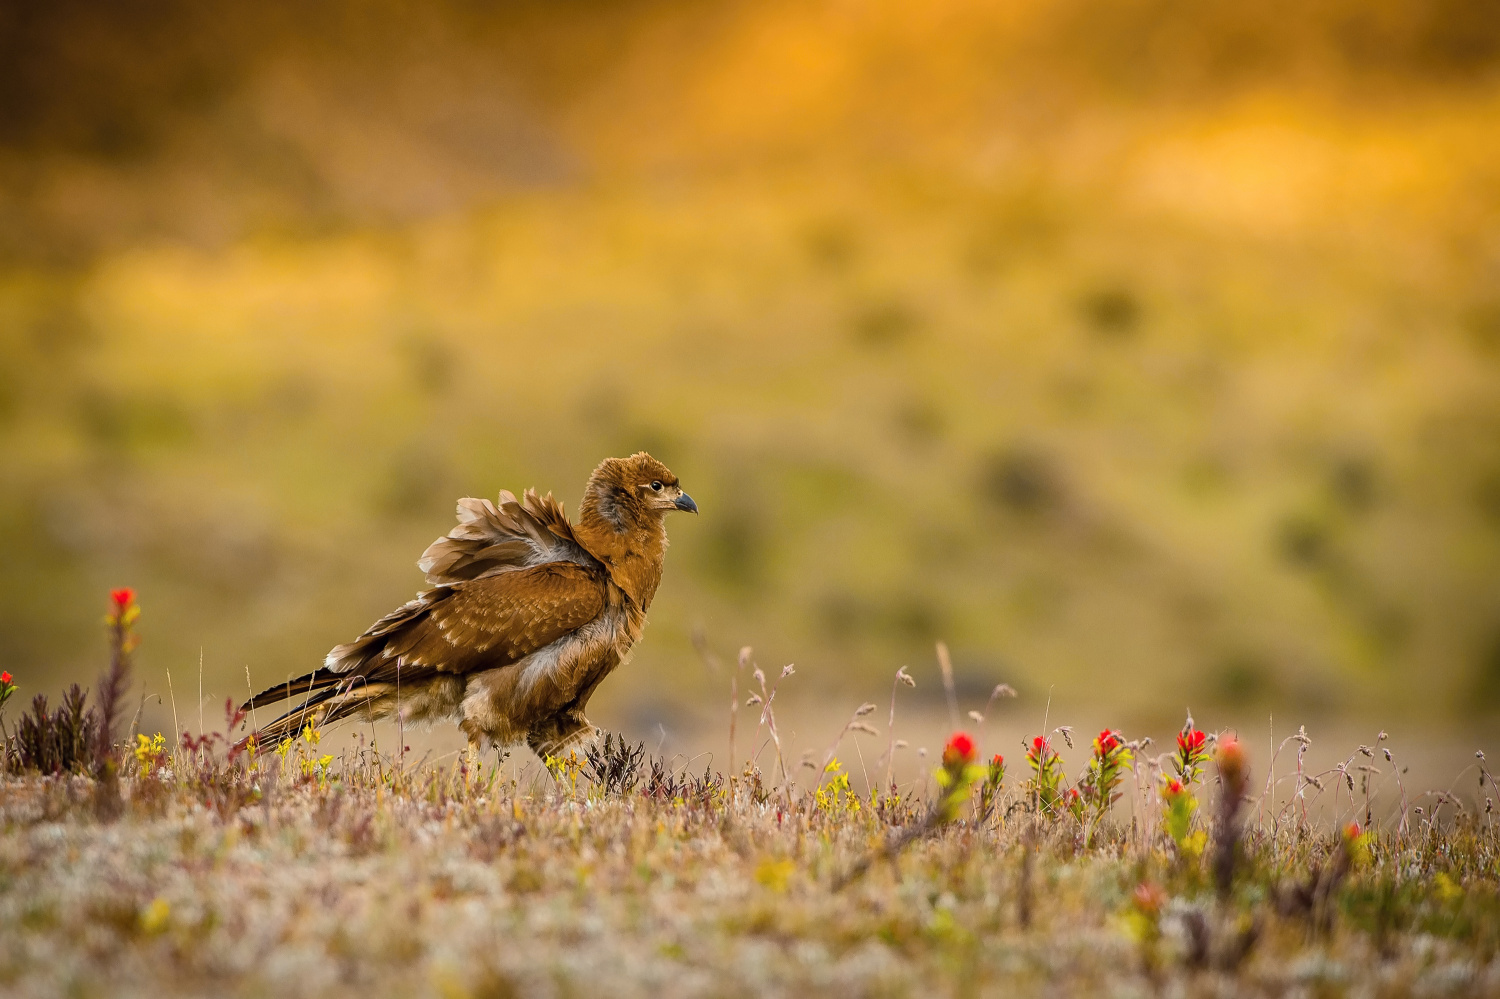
685, 502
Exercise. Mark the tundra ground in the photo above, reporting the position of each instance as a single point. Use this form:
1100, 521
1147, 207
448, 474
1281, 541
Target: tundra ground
314, 877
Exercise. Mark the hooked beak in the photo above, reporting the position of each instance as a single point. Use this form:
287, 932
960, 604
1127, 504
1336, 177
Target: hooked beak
685, 502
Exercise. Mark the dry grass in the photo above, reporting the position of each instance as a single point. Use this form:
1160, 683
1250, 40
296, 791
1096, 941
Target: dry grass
307, 873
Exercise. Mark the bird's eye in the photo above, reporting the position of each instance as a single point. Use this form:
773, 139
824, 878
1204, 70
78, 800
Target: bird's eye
656, 486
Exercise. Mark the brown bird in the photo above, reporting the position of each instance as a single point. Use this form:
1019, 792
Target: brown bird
527, 614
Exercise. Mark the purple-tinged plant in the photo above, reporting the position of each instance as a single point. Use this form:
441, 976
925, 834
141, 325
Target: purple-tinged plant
1234, 782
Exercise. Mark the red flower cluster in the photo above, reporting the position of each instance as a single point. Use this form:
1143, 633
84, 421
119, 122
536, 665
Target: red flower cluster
1107, 742
1046, 786
1192, 753
5, 678
997, 761
1174, 788
1190, 742
956, 778
960, 750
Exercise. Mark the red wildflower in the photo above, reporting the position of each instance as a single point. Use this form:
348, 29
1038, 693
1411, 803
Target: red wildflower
1174, 787
960, 749
1039, 746
5, 678
997, 770
122, 597
1107, 742
1191, 742
1351, 831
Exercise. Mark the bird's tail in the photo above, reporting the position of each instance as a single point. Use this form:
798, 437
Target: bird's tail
334, 696
318, 679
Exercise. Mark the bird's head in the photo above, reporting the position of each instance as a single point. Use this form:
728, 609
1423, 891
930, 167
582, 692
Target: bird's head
628, 492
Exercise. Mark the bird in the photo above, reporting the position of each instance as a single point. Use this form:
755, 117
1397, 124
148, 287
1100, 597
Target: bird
527, 613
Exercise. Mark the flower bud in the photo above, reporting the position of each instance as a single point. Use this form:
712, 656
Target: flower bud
1234, 771
959, 751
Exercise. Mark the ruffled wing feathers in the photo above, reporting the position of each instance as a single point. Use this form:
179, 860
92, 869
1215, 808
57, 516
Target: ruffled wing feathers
512, 535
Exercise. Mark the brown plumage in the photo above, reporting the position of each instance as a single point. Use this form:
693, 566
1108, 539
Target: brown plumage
527, 614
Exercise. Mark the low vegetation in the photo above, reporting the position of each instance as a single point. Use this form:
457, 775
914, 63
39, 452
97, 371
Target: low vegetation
299, 869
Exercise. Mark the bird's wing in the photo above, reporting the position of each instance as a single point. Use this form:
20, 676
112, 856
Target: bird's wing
491, 621
494, 538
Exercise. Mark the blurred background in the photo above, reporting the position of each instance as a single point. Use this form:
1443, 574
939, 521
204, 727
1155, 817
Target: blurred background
1147, 352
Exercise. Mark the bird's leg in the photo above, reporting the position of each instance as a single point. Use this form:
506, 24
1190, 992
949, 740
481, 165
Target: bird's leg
473, 762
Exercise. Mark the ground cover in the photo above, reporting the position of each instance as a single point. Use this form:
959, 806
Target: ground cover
296, 870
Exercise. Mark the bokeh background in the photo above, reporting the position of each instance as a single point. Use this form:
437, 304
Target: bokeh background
1146, 351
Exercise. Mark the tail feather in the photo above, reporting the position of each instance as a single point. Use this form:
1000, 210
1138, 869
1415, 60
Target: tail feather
318, 678
327, 686
331, 704
341, 686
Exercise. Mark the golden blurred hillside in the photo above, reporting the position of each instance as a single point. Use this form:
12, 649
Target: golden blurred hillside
1148, 351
